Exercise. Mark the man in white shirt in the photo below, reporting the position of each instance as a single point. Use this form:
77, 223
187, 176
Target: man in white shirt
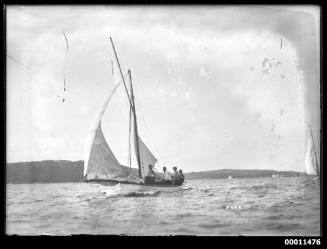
175, 175
167, 176
150, 176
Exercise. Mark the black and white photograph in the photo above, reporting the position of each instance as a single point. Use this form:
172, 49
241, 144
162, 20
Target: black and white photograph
160, 120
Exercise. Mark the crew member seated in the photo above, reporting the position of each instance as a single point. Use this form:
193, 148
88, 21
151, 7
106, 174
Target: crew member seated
175, 175
150, 176
181, 177
166, 177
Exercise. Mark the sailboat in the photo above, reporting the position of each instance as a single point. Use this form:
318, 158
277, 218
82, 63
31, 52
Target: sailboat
311, 162
100, 163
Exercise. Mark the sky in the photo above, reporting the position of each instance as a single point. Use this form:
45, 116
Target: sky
216, 87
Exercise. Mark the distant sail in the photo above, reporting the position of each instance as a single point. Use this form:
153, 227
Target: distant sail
98, 155
311, 164
146, 158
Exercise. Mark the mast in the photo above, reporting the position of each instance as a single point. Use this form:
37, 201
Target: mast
132, 106
129, 141
136, 139
314, 149
121, 73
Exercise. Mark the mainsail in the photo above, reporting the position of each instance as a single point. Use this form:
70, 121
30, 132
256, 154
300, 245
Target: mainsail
311, 163
99, 161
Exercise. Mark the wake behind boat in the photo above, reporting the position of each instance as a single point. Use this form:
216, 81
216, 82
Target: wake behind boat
100, 163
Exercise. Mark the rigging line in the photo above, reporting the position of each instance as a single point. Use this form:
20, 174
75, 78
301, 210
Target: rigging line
121, 80
152, 138
13, 59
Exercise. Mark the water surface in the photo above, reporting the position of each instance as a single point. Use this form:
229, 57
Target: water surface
256, 206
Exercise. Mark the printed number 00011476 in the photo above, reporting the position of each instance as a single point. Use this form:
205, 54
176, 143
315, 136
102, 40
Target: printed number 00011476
302, 242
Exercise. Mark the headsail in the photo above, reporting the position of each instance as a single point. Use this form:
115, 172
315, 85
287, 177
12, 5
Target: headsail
146, 157
311, 163
99, 160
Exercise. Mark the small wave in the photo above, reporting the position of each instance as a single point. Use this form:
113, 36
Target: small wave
190, 188
184, 215
282, 227
112, 190
19, 221
287, 216
255, 207
213, 225
274, 217
143, 194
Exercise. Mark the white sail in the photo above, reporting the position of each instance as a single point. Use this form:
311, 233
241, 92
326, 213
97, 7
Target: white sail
95, 140
311, 164
100, 163
146, 158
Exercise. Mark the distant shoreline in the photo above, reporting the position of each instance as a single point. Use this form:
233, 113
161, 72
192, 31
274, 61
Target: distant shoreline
60, 171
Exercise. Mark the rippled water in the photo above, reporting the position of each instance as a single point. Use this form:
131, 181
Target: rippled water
260, 206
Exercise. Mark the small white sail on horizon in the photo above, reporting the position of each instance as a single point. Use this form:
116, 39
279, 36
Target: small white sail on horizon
311, 162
